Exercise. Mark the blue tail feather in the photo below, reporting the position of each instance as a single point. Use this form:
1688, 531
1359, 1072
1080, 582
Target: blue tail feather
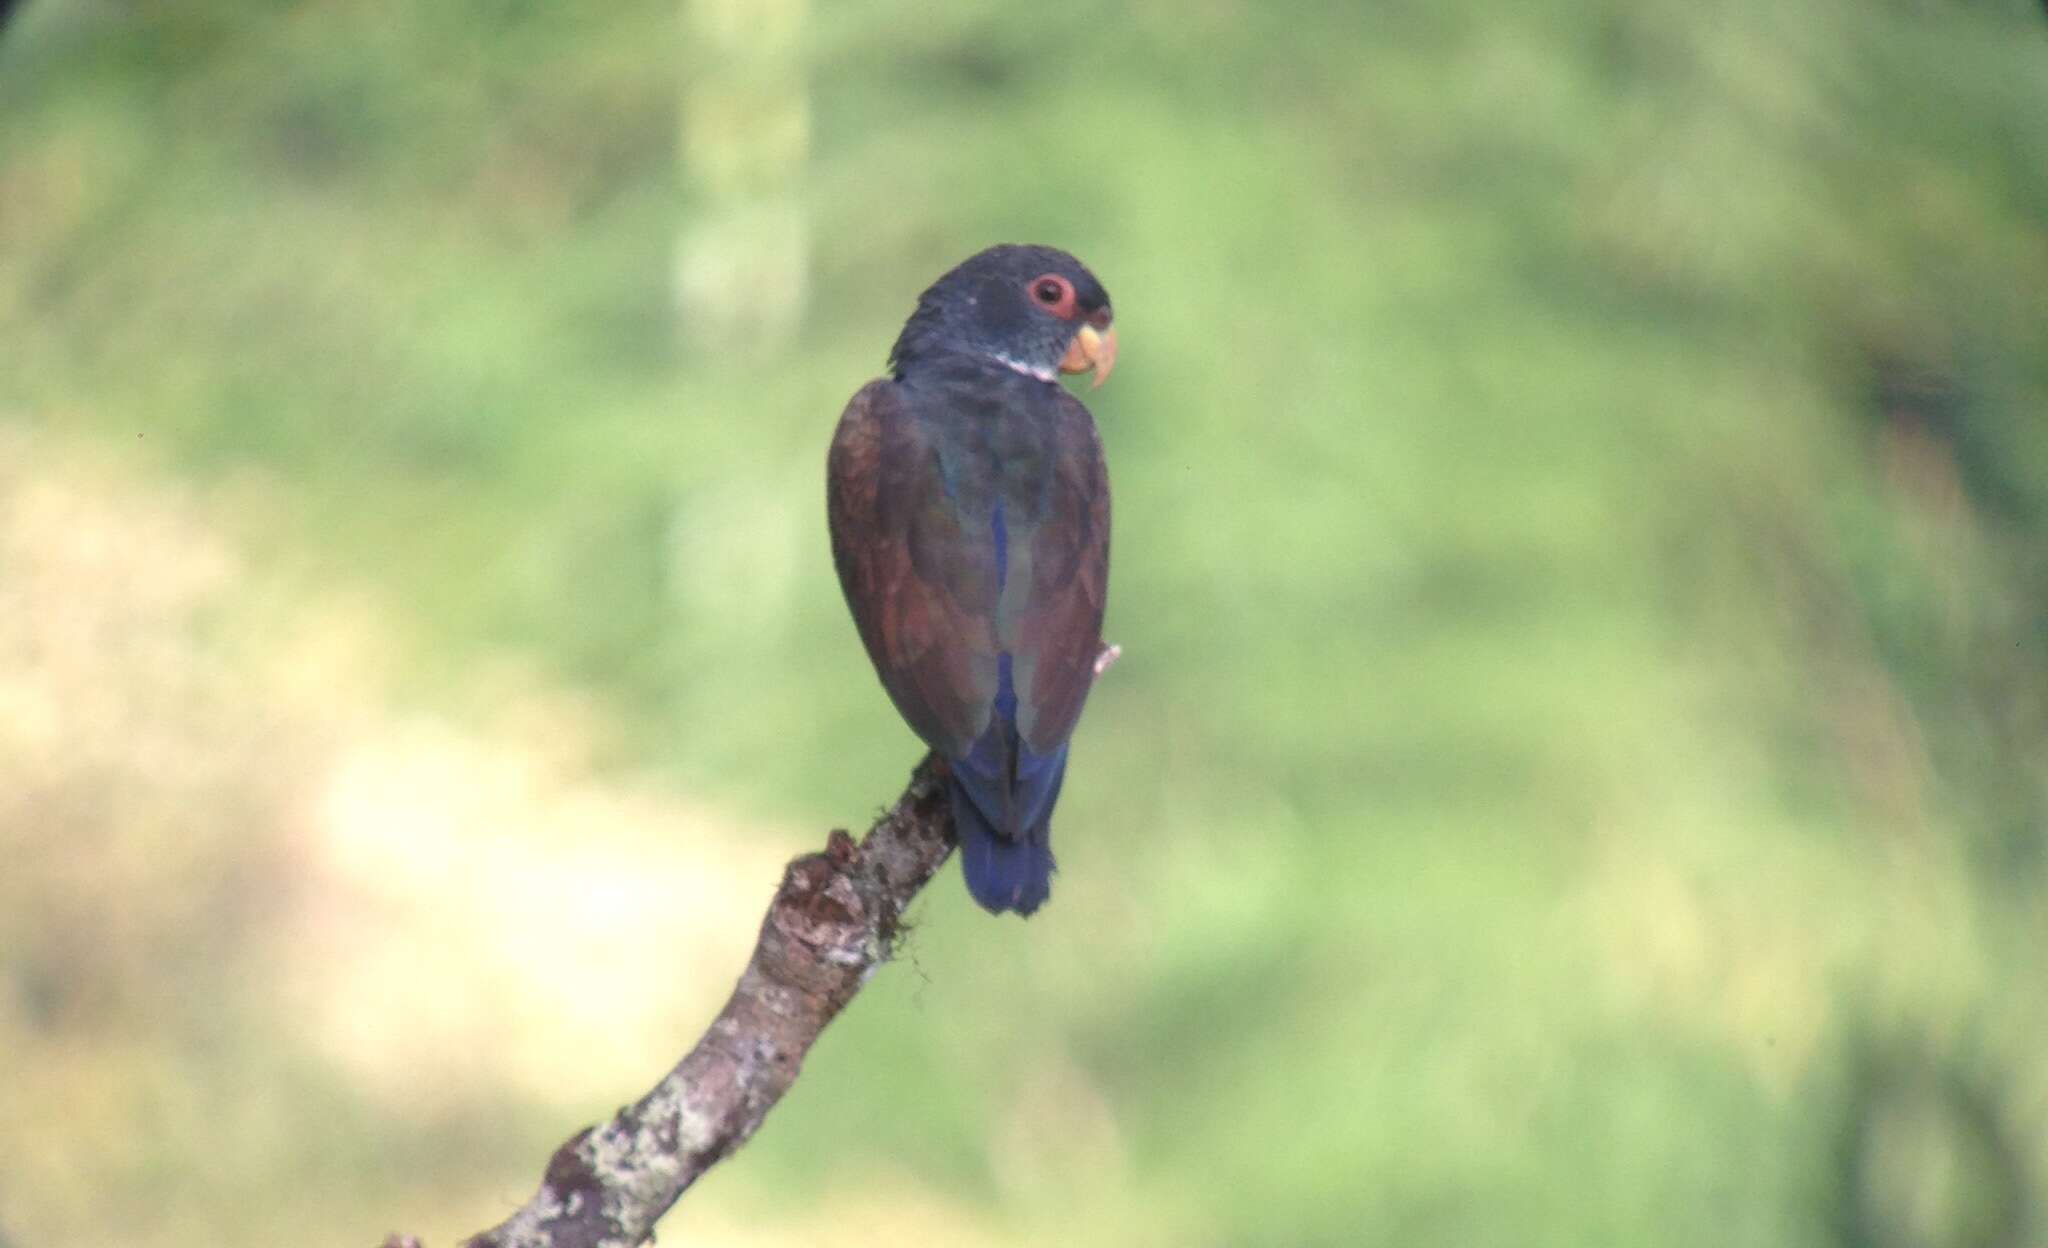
1003, 795
1003, 873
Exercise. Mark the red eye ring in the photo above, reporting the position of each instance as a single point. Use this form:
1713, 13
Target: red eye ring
1053, 293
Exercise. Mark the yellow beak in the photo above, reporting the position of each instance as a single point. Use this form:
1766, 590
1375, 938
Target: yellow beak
1092, 349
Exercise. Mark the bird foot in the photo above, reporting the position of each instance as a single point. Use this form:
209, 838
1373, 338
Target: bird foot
1109, 655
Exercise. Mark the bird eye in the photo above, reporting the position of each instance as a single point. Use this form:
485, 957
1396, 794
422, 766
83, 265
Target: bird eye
1055, 292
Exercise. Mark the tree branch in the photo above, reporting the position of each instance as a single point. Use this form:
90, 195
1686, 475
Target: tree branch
832, 924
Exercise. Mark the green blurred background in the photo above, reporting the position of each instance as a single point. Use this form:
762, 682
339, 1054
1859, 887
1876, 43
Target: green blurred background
1578, 773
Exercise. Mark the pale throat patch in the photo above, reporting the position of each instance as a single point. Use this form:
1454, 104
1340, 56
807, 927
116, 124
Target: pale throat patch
1042, 374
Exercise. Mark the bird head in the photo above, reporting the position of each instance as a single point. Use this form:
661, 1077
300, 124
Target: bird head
1036, 309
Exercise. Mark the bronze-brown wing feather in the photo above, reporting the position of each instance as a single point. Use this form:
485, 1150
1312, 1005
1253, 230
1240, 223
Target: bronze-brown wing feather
1056, 631
921, 590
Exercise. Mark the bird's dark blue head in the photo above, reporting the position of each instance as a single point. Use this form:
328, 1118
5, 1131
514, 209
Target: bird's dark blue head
1036, 309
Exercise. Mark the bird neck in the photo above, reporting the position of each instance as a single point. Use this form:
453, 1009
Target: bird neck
934, 340
951, 364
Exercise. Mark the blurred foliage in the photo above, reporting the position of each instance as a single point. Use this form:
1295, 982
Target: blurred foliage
1579, 773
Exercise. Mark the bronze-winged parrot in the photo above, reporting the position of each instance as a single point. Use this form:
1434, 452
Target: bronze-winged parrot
969, 510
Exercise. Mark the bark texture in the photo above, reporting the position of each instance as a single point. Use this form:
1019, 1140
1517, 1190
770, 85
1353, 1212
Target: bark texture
833, 922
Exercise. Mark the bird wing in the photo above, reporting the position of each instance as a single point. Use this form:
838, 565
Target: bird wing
921, 588
1054, 628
